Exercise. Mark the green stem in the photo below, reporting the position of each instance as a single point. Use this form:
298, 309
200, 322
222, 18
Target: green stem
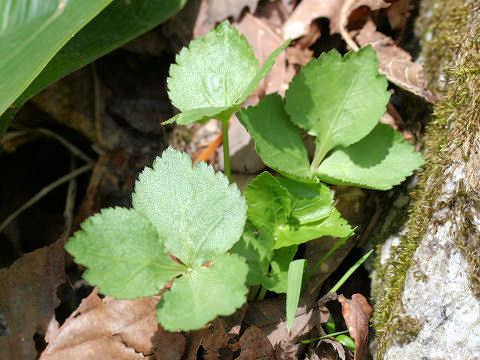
261, 294
324, 337
327, 255
320, 152
252, 295
226, 152
350, 272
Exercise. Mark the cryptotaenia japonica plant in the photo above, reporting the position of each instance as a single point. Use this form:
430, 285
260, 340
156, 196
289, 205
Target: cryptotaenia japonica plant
190, 225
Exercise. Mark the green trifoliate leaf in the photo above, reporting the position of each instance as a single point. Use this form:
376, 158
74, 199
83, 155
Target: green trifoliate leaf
379, 161
214, 75
196, 212
124, 256
203, 293
338, 100
277, 140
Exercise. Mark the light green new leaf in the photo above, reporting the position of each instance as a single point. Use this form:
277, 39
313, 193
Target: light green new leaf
256, 246
333, 225
203, 293
379, 161
277, 140
124, 256
31, 33
213, 76
269, 203
338, 100
196, 212
295, 276
310, 202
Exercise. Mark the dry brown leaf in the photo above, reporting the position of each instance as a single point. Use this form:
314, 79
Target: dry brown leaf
308, 10
328, 350
356, 313
28, 300
255, 345
348, 7
396, 63
337, 11
105, 329
169, 345
399, 13
219, 10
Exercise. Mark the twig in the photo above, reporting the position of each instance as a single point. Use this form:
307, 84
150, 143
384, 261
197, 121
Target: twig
44, 192
72, 148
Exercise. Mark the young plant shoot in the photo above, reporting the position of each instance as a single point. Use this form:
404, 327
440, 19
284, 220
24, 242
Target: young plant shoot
213, 77
127, 251
130, 253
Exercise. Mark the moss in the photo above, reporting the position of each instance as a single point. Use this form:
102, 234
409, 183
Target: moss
452, 32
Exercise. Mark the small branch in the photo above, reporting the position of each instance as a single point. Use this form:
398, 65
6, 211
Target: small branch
44, 192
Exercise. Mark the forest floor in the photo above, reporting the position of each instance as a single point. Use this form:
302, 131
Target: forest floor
78, 147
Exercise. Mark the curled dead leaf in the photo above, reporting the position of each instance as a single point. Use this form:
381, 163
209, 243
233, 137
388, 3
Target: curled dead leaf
357, 312
396, 63
105, 329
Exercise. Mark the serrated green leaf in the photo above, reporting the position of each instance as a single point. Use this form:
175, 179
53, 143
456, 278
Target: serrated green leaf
256, 246
125, 257
212, 72
333, 225
379, 161
264, 70
295, 276
214, 76
196, 212
310, 202
277, 140
203, 293
338, 100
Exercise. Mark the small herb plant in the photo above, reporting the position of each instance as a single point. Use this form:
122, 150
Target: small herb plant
190, 225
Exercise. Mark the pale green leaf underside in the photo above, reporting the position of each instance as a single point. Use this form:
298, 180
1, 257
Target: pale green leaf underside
295, 276
338, 100
123, 254
204, 293
196, 212
277, 140
379, 161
